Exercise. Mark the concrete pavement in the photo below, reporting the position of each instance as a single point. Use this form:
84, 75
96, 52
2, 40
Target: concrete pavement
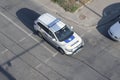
33, 59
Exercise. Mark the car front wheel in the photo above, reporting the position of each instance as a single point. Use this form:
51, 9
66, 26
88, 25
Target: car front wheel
61, 51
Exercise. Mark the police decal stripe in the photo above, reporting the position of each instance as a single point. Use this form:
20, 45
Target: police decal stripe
53, 23
69, 39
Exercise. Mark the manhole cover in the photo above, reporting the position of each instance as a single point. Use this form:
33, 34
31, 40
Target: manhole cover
82, 17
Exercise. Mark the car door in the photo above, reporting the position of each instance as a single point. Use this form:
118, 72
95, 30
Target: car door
43, 30
52, 38
47, 34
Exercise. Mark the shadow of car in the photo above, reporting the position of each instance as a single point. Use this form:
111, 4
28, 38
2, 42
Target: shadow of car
110, 16
27, 17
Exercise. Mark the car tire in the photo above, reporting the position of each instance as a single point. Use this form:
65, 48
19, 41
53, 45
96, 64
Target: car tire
61, 51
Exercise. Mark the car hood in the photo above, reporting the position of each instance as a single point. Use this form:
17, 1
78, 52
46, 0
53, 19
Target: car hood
73, 41
115, 29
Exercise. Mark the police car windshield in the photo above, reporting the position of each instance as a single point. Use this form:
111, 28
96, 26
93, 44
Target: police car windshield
63, 33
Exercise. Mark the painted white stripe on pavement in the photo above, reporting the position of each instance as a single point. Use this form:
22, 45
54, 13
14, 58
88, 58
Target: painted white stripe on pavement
4, 51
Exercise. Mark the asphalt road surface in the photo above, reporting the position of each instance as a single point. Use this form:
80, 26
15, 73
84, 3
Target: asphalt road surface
25, 56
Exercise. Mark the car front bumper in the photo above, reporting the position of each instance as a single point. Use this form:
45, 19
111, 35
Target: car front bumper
76, 50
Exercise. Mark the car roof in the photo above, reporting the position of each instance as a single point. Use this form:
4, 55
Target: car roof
46, 18
57, 26
52, 23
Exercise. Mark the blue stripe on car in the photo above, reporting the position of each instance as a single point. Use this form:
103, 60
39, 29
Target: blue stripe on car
69, 39
53, 23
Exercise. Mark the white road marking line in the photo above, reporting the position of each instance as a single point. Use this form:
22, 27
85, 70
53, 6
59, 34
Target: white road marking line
44, 62
25, 31
48, 49
38, 66
55, 54
30, 34
22, 39
51, 57
48, 59
4, 51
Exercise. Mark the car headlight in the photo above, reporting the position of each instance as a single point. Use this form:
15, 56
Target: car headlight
69, 50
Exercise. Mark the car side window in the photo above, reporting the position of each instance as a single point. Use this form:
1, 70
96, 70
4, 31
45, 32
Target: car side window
42, 26
46, 30
51, 34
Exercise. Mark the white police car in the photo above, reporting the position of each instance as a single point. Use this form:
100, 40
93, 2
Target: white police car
59, 34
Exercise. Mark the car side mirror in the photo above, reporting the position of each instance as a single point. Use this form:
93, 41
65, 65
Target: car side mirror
71, 27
